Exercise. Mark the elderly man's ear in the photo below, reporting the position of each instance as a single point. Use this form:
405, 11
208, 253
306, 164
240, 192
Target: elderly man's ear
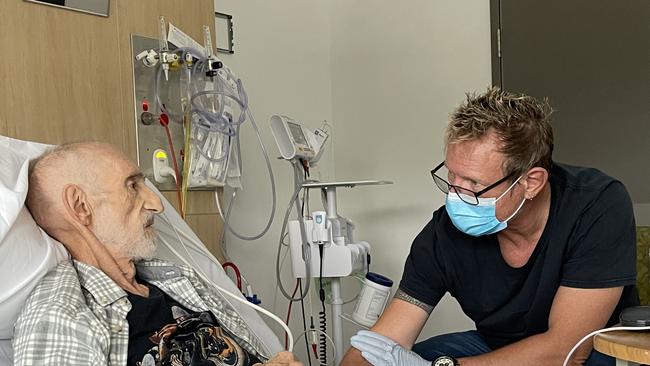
76, 205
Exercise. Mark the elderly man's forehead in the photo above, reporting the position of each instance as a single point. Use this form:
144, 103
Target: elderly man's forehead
100, 160
115, 163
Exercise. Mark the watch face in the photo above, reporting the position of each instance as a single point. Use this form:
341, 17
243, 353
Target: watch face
444, 361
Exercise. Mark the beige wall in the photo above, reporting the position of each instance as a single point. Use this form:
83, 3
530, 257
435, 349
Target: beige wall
67, 76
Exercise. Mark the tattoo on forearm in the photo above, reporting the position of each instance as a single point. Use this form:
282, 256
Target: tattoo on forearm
412, 300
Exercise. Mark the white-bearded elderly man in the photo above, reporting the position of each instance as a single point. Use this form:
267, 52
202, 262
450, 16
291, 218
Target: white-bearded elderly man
112, 304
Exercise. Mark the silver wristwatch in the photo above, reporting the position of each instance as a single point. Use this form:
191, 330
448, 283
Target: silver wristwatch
445, 361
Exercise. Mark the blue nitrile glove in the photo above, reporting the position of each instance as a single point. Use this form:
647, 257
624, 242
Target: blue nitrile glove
383, 351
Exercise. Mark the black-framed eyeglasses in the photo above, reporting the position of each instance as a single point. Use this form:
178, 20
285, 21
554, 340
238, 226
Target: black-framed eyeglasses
466, 195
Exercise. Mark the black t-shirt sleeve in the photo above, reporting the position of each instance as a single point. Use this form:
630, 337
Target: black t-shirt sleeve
423, 276
602, 249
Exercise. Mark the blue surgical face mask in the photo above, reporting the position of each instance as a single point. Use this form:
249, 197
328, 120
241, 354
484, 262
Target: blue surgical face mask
477, 220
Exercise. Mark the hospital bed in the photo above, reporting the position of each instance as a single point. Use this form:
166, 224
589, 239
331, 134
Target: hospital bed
27, 253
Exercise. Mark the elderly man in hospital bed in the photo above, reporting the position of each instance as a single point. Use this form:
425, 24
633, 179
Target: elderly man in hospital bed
112, 304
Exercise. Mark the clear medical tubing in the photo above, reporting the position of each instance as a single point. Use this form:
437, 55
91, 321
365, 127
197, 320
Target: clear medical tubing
242, 101
271, 177
218, 123
298, 180
322, 333
222, 290
157, 81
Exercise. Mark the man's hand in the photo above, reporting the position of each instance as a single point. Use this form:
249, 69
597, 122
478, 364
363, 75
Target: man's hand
402, 321
282, 359
383, 351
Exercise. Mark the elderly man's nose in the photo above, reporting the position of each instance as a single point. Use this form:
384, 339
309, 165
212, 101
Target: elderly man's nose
152, 202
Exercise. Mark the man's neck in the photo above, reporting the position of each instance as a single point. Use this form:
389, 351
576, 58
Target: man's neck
86, 248
127, 268
526, 229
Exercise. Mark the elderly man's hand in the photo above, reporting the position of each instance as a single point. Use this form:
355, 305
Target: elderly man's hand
283, 359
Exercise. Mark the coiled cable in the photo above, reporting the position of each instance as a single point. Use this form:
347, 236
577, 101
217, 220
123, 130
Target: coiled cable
322, 316
322, 344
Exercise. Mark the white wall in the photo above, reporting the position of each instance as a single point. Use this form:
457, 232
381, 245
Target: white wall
386, 77
282, 55
642, 214
397, 72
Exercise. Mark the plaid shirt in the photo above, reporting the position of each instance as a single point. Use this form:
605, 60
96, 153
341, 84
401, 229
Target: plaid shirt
77, 315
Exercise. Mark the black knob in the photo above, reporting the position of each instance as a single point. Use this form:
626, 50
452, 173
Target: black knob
147, 118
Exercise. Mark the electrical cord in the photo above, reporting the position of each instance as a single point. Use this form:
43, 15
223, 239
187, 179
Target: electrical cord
275, 292
306, 250
177, 177
282, 234
186, 163
329, 339
237, 273
304, 321
599, 331
289, 310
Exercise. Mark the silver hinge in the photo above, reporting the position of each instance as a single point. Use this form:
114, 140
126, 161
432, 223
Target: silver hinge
499, 42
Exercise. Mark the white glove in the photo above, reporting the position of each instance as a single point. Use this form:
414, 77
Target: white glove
383, 351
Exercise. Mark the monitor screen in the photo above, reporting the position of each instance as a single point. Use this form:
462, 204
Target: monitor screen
298, 135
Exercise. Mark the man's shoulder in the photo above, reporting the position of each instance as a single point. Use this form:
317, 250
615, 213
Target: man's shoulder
580, 178
581, 189
58, 284
56, 317
57, 294
57, 299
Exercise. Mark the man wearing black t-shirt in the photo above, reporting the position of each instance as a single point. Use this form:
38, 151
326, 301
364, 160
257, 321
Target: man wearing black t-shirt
538, 254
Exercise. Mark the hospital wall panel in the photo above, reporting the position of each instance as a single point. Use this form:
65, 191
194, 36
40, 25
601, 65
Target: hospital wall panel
67, 76
59, 74
199, 202
141, 17
3, 126
208, 228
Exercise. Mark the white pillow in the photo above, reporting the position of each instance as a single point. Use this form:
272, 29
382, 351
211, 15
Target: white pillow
27, 253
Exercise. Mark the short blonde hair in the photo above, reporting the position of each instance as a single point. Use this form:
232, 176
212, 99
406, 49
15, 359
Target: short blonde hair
521, 123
